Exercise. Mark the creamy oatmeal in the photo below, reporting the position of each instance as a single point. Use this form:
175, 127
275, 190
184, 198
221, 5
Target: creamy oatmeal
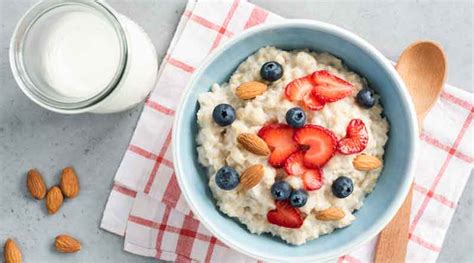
218, 145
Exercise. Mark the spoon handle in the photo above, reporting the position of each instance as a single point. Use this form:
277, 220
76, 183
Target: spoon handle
393, 240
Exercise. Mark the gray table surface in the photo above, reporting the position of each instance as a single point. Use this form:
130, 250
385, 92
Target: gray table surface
94, 144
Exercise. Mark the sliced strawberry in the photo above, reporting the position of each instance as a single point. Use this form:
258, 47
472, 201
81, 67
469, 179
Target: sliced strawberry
329, 88
296, 89
285, 215
322, 144
312, 178
279, 138
356, 138
294, 165
312, 102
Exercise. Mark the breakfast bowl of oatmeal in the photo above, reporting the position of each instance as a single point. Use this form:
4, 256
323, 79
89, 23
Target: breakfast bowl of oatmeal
295, 142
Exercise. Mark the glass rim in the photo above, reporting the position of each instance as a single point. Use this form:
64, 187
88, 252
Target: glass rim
17, 62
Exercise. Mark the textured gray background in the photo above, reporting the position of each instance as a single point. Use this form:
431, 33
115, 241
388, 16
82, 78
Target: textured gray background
94, 144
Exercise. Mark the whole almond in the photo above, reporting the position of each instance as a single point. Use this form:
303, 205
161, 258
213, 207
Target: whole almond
69, 183
54, 199
11, 252
365, 162
67, 244
251, 177
250, 90
253, 144
35, 184
330, 214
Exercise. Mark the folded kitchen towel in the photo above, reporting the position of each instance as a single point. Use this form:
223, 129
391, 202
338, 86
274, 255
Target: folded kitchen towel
147, 208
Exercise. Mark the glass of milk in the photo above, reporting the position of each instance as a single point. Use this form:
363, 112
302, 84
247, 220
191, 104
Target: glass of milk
79, 56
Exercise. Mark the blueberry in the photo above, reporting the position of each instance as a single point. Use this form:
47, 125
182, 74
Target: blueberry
227, 178
342, 187
365, 98
223, 114
295, 117
298, 198
271, 71
281, 190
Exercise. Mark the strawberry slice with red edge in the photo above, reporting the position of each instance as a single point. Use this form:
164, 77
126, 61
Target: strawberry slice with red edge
321, 144
356, 138
312, 178
279, 138
298, 88
285, 215
312, 102
294, 165
330, 88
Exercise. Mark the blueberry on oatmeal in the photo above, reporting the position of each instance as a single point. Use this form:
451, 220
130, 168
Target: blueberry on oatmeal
365, 98
227, 178
298, 198
295, 117
223, 114
271, 71
342, 187
281, 190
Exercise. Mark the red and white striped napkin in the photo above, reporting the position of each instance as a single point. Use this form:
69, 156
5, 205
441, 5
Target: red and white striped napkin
147, 208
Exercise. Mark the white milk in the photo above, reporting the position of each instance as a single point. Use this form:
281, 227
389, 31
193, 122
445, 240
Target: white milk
72, 53
79, 54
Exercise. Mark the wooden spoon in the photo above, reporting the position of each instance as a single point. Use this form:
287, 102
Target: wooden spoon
422, 66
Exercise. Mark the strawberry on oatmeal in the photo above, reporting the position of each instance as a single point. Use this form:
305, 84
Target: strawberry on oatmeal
292, 143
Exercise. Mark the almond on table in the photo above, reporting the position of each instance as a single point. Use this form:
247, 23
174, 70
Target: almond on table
11, 252
69, 183
67, 244
35, 184
54, 199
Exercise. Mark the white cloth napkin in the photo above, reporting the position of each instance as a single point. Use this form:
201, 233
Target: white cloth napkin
147, 208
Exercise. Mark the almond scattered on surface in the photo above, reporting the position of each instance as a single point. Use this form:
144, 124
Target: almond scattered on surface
35, 184
253, 143
54, 199
250, 90
330, 214
69, 183
11, 252
364, 162
251, 177
67, 244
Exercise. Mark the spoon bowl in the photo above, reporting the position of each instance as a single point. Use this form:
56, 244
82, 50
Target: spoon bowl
422, 66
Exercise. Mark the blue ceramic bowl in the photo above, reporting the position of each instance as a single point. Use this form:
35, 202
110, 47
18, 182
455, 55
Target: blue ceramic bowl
393, 185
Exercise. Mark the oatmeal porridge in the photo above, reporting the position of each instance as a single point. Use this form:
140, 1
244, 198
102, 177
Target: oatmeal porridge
292, 143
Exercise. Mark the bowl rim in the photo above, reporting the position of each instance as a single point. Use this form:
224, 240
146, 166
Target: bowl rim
375, 54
